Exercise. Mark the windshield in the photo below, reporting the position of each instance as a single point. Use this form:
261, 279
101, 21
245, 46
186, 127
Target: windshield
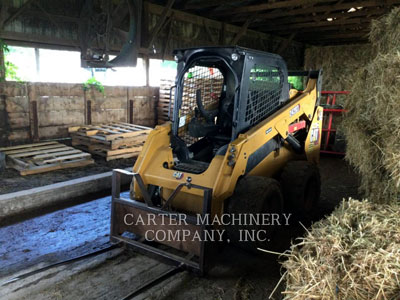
203, 80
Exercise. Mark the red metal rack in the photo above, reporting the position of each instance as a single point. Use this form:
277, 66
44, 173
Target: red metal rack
329, 113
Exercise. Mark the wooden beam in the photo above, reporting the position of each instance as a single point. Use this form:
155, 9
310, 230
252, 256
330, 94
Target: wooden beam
205, 4
55, 194
119, 14
18, 12
213, 24
326, 30
326, 13
269, 5
286, 43
222, 34
49, 17
352, 41
242, 31
272, 28
323, 8
213, 39
27, 37
171, 20
335, 36
160, 22
310, 18
56, 18
4, 12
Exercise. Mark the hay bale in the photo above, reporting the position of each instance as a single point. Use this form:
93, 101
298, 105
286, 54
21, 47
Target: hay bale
385, 33
372, 124
352, 254
339, 63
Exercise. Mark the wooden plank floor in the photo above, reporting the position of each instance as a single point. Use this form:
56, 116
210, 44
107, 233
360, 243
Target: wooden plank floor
44, 157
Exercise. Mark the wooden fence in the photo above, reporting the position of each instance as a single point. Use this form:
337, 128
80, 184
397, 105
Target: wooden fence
30, 112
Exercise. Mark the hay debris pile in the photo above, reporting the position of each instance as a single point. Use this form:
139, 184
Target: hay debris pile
372, 125
352, 254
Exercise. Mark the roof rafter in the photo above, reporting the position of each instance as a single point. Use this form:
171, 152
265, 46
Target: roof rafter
320, 8
272, 27
271, 5
304, 19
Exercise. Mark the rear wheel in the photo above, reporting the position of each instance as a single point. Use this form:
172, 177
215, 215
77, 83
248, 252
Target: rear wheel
254, 195
301, 186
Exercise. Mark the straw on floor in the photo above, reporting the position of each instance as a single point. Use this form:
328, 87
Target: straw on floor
352, 254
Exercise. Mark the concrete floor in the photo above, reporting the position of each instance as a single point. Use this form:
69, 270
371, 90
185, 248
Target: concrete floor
84, 228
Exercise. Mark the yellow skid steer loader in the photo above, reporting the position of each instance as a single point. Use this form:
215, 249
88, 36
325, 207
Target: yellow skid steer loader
240, 141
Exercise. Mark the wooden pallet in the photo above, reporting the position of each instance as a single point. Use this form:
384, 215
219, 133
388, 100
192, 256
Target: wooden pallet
44, 157
112, 141
163, 101
188, 93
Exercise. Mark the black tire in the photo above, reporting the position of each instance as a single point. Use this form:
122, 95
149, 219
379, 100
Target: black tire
301, 186
254, 195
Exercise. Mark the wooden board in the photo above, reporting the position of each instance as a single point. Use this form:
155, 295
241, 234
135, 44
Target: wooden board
44, 157
164, 100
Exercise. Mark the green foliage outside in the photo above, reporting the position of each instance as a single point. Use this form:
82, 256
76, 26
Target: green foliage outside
10, 68
296, 82
93, 82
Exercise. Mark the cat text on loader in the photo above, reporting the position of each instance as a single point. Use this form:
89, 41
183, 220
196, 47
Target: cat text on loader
240, 141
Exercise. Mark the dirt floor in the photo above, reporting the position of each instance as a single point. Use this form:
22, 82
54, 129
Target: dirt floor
83, 228
11, 181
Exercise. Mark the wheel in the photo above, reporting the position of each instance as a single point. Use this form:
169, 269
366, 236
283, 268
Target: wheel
254, 195
301, 186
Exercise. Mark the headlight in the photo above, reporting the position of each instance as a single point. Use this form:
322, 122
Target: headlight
235, 56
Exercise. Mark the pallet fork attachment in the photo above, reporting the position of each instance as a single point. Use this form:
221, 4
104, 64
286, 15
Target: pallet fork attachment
154, 218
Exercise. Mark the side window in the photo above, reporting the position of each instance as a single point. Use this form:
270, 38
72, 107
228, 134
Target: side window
265, 87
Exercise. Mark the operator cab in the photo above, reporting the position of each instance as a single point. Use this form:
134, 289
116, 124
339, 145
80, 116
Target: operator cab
208, 110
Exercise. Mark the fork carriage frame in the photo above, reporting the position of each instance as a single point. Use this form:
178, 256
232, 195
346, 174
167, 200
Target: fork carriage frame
162, 219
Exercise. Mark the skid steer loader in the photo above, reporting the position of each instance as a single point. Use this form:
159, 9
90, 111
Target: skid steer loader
240, 141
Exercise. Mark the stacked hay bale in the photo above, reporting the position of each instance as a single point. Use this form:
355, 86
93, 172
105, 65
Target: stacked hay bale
355, 252
372, 124
352, 254
339, 63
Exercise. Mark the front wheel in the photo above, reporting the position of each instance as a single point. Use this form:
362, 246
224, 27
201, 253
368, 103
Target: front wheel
254, 198
301, 186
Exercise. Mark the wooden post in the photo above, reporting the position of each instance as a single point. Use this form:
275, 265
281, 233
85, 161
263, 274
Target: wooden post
2, 161
2, 66
89, 112
147, 66
35, 121
131, 111
30, 90
222, 34
85, 106
37, 59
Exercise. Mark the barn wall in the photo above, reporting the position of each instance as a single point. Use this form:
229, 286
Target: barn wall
39, 111
339, 63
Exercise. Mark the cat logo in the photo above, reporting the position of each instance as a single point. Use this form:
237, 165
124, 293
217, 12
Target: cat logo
177, 175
